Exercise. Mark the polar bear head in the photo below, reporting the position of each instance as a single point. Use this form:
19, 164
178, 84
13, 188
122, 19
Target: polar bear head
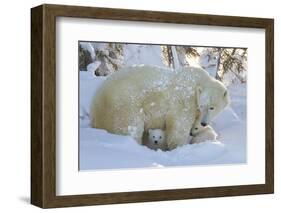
156, 136
156, 139
211, 100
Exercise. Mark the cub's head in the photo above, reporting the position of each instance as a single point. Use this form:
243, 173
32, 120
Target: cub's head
197, 127
156, 136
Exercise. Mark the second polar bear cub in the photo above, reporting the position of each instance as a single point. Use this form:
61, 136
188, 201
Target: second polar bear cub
156, 139
201, 133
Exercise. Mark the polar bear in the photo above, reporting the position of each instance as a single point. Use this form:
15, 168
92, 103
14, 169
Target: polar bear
139, 98
156, 139
201, 133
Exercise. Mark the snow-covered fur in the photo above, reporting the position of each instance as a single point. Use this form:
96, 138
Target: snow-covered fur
156, 139
139, 98
201, 133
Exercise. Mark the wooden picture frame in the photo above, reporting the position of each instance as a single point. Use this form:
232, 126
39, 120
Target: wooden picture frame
43, 105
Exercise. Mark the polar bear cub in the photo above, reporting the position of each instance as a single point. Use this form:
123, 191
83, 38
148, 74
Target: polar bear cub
156, 139
201, 133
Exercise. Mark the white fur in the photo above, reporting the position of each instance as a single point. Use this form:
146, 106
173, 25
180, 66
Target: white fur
201, 133
156, 139
207, 133
147, 97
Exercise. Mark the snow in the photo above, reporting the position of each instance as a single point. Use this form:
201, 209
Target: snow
87, 89
88, 46
143, 54
208, 61
102, 150
93, 66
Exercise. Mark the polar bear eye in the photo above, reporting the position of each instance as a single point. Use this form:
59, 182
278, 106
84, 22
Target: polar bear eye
160, 137
196, 128
211, 108
153, 136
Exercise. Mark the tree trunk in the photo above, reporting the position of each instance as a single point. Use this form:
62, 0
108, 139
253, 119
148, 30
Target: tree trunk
170, 57
218, 64
175, 57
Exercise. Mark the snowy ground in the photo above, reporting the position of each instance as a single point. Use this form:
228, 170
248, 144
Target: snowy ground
102, 150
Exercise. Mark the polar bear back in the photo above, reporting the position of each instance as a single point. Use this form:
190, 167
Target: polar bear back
123, 95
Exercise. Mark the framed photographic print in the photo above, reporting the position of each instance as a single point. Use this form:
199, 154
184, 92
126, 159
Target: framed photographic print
137, 106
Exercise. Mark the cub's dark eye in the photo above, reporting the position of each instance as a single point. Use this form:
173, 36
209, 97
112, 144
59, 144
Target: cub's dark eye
153, 136
211, 108
160, 137
196, 128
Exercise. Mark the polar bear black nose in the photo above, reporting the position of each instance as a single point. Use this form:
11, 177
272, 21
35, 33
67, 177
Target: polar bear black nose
155, 142
203, 124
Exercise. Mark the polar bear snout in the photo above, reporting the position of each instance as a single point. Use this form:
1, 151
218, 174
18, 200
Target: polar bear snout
156, 142
204, 124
